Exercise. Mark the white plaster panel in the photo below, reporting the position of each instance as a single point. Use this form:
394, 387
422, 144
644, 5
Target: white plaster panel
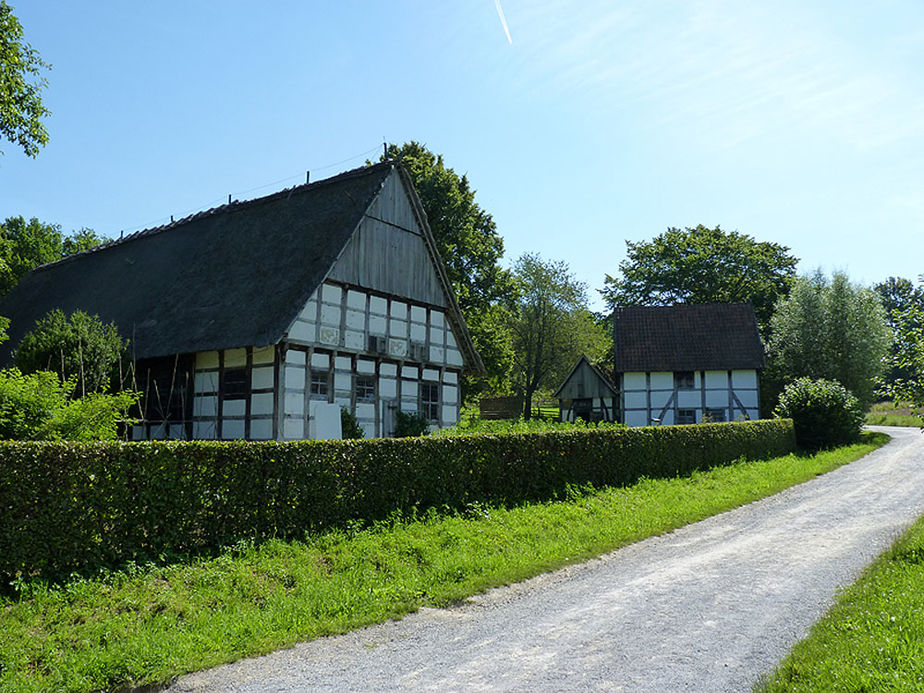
418, 314
232, 429
235, 358
748, 397
320, 360
303, 332
397, 347
430, 374
633, 381
293, 429
205, 406
354, 340
207, 359
261, 429
744, 379
329, 335
450, 393
365, 410
295, 377
342, 402
343, 382
437, 355
636, 400
365, 366
410, 372
234, 407
450, 339
716, 398
295, 356
662, 381
331, 294
667, 419
388, 388
397, 328
262, 378
265, 354
377, 325
453, 357
368, 428
261, 403
205, 430
660, 399
689, 399
450, 415
330, 315
343, 363
399, 310
356, 299
206, 382
753, 414
717, 380
295, 403
450, 377
137, 432
309, 312
409, 405
378, 305
356, 320
388, 369
436, 318
636, 418
418, 332
158, 432
436, 335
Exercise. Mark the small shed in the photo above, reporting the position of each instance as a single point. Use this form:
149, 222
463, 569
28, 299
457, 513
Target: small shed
587, 394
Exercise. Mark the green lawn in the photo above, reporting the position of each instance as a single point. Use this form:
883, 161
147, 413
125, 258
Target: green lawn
873, 638
146, 624
890, 414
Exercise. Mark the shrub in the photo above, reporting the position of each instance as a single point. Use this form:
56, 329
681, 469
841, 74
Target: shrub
410, 424
824, 413
349, 426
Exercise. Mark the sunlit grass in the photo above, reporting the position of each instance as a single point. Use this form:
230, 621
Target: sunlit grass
892, 414
146, 624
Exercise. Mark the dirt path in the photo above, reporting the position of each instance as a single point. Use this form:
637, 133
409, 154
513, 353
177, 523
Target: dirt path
709, 607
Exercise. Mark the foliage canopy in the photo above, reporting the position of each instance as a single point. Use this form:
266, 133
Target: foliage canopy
906, 319
21, 85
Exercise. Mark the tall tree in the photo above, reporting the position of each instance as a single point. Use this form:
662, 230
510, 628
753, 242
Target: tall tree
903, 303
830, 329
471, 248
21, 85
703, 265
553, 326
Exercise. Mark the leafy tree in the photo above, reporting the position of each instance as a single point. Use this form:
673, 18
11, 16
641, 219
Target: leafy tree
904, 303
26, 245
21, 85
703, 265
471, 248
553, 326
830, 330
80, 348
907, 357
349, 426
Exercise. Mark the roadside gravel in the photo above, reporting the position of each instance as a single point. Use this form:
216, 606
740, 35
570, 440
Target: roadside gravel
709, 607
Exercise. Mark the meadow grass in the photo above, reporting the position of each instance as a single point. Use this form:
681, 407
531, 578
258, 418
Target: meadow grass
872, 639
892, 414
147, 624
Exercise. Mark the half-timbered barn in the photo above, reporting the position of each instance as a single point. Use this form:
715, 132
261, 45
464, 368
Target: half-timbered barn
261, 319
687, 364
587, 394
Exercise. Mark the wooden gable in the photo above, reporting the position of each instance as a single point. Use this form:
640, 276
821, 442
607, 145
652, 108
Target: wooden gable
585, 381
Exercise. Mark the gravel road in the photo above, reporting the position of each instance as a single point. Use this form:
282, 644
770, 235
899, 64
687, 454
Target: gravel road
709, 607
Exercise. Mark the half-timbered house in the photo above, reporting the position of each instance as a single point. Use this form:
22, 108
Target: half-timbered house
261, 319
687, 364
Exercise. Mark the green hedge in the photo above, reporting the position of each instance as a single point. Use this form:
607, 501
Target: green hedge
68, 507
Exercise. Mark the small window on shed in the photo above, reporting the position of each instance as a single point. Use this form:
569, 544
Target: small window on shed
686, 416
234, 383
683, 380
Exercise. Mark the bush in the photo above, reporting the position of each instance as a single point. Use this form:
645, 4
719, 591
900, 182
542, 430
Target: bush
79, 506
349, 426
496, 426
411, 424
824, 413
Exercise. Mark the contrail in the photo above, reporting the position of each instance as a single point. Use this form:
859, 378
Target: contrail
500, 13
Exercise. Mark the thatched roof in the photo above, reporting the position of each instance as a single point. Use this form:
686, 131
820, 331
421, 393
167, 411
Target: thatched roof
232, 276
717, 336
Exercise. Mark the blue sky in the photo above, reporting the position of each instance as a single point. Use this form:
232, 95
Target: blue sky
598, 122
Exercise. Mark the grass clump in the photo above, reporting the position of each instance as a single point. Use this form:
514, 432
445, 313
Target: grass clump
894, 414
872, 639
145, 625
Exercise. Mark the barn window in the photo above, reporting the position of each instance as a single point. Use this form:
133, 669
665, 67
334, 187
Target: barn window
683, 380
234, 383
686, 416
430, 401
320, 384
365, 388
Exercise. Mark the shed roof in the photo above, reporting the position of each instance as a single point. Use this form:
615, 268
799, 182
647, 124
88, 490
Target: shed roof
583, 360
715, 336
228, 277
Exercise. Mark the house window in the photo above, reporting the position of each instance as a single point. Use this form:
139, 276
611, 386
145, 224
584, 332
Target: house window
683, 380
715, 415
319, 385
686, 416
430, 401
235, 383
365, 388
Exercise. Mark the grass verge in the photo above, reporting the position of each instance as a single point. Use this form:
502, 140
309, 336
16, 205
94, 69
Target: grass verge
146, 624
872, 639
892, 414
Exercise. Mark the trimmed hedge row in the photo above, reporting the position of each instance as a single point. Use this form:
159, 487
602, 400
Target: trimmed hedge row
68, 507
